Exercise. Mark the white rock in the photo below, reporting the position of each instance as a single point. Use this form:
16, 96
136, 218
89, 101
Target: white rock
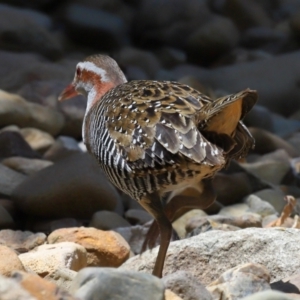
47, 259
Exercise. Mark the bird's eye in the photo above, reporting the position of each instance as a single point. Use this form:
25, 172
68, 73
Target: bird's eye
78, 72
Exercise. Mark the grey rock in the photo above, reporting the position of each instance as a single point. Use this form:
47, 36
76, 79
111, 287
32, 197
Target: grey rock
186, 286
95, 27
269, 295
107, 220
145, 60
63, 278
112, 284
30, 38
26, 166
266, 142
9, 180
13, 144
241, 281
260, 206
78, 189
274, 196
247, 13
21, 241
212, 40
276, 89
272, 247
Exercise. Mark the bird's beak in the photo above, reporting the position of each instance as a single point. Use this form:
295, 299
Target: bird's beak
68, 92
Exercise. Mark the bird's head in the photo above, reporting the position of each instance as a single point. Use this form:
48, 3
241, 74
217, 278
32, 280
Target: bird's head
97, 74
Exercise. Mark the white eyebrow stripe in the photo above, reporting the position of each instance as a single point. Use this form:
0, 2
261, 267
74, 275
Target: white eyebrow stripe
89, 66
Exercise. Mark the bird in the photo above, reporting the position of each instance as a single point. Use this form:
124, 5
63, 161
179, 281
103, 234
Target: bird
155, 139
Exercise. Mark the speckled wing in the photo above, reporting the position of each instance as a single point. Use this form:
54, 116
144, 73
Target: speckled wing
154, 124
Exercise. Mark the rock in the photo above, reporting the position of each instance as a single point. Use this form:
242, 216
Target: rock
9, 180
63, 278
134, 236
40, 288
260, 117
272, 247
27, 166
21, 241
145, 60
6, 220
212, 40
273, 86
274, 196
170, 57
162, 22
113, 284
104, 248
241, 281
138, 216
247, 14
78, 189
244, 221
37, 139
95, 27
266, 142
9, 206
12, 290
270, 171
180, 224
231, 188
16, 110
32, 37
269, 295
107, 220
9, 261
185, 285
234, 210
46, 259
13, 144
260, 206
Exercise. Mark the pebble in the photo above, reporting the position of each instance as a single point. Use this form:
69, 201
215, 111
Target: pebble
268, 246
271, 295
185, 285
240, 281
104, 248
78, 189
46, 259
9, 261
234, 210
114, 284
6, 220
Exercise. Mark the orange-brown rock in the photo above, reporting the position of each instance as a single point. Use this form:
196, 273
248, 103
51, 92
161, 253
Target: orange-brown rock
9, 261
104, 248
169, 295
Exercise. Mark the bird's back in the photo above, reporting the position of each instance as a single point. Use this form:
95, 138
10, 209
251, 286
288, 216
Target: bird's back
150, 136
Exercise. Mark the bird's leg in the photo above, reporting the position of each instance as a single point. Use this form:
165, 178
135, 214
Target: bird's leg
178, 205
154, 206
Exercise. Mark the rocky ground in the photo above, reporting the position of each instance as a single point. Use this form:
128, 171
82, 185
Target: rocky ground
67, 233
